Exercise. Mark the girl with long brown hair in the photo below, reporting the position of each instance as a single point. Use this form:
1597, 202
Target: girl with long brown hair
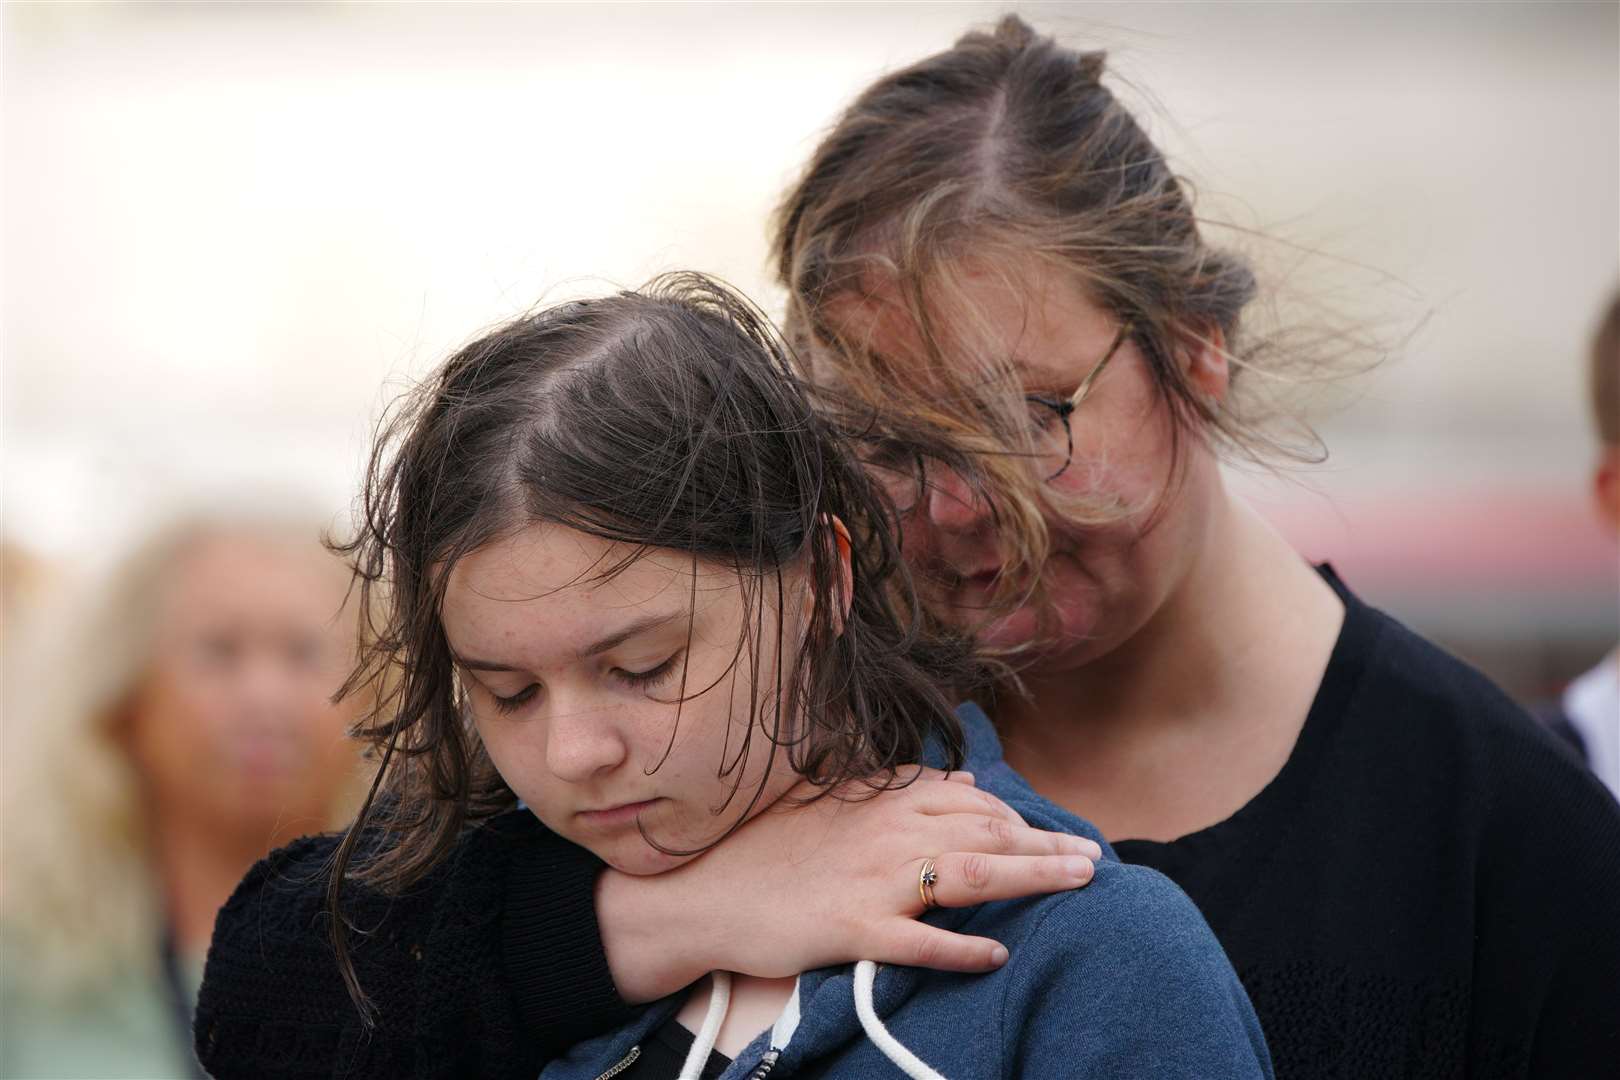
638, 592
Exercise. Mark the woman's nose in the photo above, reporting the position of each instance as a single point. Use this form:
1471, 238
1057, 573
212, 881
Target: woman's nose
582, 741
265, 690
954, 504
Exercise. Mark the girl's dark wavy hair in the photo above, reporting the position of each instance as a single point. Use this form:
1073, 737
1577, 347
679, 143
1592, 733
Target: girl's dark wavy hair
665, 418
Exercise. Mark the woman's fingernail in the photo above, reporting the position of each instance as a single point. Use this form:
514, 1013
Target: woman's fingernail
1078, 869
1089, 848
998, 955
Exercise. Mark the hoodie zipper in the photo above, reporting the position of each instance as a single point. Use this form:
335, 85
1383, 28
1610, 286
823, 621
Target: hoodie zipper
766, 1064
629, 1060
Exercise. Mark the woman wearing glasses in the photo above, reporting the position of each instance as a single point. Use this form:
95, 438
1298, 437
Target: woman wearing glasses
1408, 876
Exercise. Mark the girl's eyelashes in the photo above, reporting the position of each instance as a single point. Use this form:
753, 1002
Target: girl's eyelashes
652, 676
517, 700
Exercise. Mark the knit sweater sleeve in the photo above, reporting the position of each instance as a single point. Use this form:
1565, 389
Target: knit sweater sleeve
485, 968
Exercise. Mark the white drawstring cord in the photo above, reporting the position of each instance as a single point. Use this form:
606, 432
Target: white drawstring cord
703, 1041
865, 974
912, 1065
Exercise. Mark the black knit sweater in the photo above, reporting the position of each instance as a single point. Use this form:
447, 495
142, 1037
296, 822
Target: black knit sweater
481, 970
1430, 888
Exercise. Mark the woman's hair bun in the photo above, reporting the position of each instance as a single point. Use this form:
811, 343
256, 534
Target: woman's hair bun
1015, 35
1013, 30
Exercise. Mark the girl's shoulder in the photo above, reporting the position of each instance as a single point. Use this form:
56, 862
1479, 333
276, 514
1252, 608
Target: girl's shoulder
1127, 918
1124, 969
1129, 951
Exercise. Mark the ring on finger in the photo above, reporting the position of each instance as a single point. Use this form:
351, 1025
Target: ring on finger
927, 878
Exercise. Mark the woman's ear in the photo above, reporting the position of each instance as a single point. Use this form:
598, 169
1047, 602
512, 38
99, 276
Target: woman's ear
1207, 367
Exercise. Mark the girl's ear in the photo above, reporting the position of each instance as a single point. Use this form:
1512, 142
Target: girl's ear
1206, 359
838, 533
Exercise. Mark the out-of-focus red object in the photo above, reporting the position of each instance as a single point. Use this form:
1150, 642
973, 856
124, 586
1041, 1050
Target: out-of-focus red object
1438, 541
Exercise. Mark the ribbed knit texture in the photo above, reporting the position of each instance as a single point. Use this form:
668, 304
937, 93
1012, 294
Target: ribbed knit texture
457, 994
1429, 889
553, 947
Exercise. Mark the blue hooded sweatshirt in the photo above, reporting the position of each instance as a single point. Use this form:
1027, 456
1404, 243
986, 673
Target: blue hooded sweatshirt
1121, 978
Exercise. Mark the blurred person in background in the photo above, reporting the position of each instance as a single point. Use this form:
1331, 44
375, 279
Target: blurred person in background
25, 581
28, 584
1588, 714
185, 729
1412, 878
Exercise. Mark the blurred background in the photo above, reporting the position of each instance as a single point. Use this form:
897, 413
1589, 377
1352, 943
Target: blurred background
232, 232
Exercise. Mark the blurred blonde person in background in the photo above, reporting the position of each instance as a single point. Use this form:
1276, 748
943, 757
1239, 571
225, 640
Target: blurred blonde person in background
184, 730
1588, 715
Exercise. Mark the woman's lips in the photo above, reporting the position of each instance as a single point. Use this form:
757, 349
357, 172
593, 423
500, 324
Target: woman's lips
977, 588
263, 755
611, 816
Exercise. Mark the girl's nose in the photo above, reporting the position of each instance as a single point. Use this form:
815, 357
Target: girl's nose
582, 742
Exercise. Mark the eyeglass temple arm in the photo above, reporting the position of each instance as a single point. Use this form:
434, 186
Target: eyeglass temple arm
1084, 388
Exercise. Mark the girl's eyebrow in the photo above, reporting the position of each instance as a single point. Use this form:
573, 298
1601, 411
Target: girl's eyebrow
617, 638
640, 626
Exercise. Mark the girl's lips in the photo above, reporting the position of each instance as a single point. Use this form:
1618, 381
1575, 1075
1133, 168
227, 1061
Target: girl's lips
615, 815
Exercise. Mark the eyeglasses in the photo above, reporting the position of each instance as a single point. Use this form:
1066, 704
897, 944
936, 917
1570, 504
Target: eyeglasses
901, 470
1049, 417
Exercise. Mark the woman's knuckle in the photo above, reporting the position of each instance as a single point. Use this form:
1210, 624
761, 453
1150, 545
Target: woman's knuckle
1000, 833
976, 872
925, 950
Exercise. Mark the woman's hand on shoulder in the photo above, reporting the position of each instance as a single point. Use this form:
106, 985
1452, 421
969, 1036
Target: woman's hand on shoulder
837, 880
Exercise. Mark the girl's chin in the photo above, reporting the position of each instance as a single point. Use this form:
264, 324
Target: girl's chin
644, 863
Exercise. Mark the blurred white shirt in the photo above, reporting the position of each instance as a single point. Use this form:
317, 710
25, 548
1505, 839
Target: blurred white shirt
1592, 703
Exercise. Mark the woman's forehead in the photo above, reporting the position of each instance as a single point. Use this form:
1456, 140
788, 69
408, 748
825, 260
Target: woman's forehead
227, 571
1036, 320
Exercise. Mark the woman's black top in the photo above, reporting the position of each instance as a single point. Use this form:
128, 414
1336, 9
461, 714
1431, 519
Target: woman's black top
1429, 888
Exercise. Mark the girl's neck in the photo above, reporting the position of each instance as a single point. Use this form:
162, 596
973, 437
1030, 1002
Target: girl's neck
1228, 663
755, 1005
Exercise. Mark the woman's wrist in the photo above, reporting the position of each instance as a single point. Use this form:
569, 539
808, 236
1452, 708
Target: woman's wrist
651, 950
